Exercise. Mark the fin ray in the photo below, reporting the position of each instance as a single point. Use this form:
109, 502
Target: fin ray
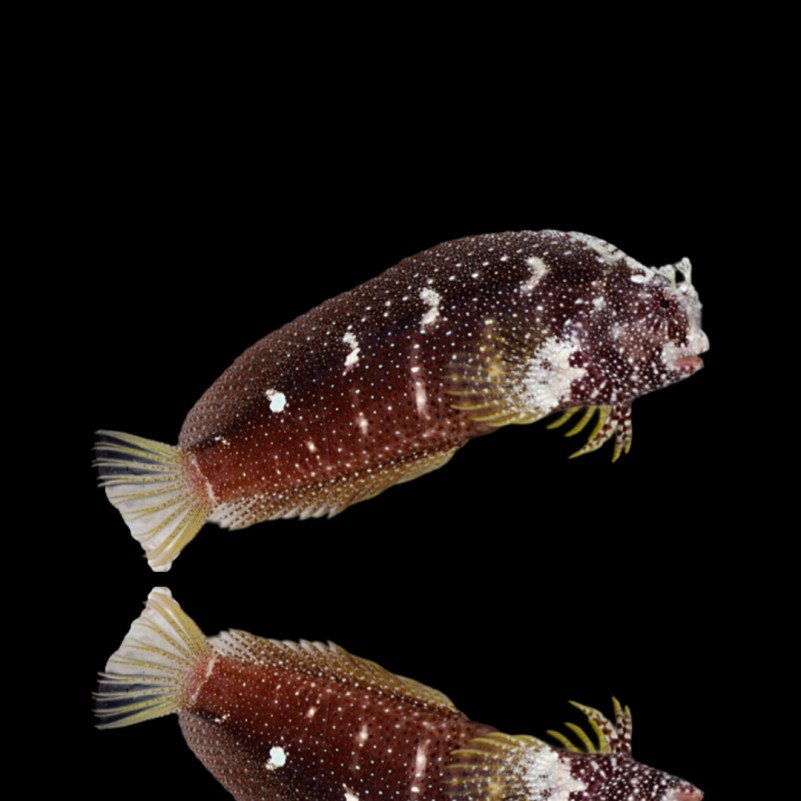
146, 676
499, 767
149, 483
487, 382
612, 737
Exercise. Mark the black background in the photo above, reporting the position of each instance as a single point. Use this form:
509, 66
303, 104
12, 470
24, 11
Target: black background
514, 579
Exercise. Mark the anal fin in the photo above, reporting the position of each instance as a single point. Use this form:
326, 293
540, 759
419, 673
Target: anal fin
328, 497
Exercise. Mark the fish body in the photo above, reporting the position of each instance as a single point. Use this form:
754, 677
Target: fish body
384, 383
279, 721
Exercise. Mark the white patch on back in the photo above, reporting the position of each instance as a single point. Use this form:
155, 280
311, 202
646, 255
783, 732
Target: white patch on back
277, 758
353, 357
549, 375
538, 270
433, 299
277, 400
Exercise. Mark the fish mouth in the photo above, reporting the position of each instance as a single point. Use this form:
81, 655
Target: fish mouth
689, 364
687, 795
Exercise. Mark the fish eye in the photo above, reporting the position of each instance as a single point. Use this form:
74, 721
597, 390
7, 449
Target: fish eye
665, 303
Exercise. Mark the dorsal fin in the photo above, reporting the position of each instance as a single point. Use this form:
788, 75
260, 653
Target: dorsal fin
329, 662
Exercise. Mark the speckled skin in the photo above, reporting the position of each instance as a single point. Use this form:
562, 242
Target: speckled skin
367, 379
384, 383
333, 735
284, 722
281, 721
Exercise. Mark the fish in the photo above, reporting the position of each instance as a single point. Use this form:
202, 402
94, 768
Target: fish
384, 383
306, 721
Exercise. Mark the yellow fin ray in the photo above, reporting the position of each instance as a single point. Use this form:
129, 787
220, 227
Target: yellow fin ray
611, 737
494, 767
151, 484
582, 424
612, 421
487, 382
146, 677
560, 421
589, 745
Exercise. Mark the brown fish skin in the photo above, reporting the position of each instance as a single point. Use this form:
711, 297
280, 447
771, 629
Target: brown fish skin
309, 722
327, 737
384, 383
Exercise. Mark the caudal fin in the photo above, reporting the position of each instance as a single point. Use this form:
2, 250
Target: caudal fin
147, 676
157, 489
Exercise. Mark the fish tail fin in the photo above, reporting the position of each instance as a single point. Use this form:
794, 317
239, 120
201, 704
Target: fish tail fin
150, 674
159, 491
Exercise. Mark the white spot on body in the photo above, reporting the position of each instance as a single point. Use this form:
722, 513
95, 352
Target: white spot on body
538, 270
420, 760
277, 400
599, 302
277, 758
433, 299
353, 357
421, 398
350, 795
361, 421
361, 737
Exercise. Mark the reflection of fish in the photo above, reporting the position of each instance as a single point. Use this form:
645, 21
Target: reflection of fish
384, 383
309, 722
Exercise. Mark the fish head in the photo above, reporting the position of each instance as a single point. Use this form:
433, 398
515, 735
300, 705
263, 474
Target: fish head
685, 339
653, 335
605, 769
614, 777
